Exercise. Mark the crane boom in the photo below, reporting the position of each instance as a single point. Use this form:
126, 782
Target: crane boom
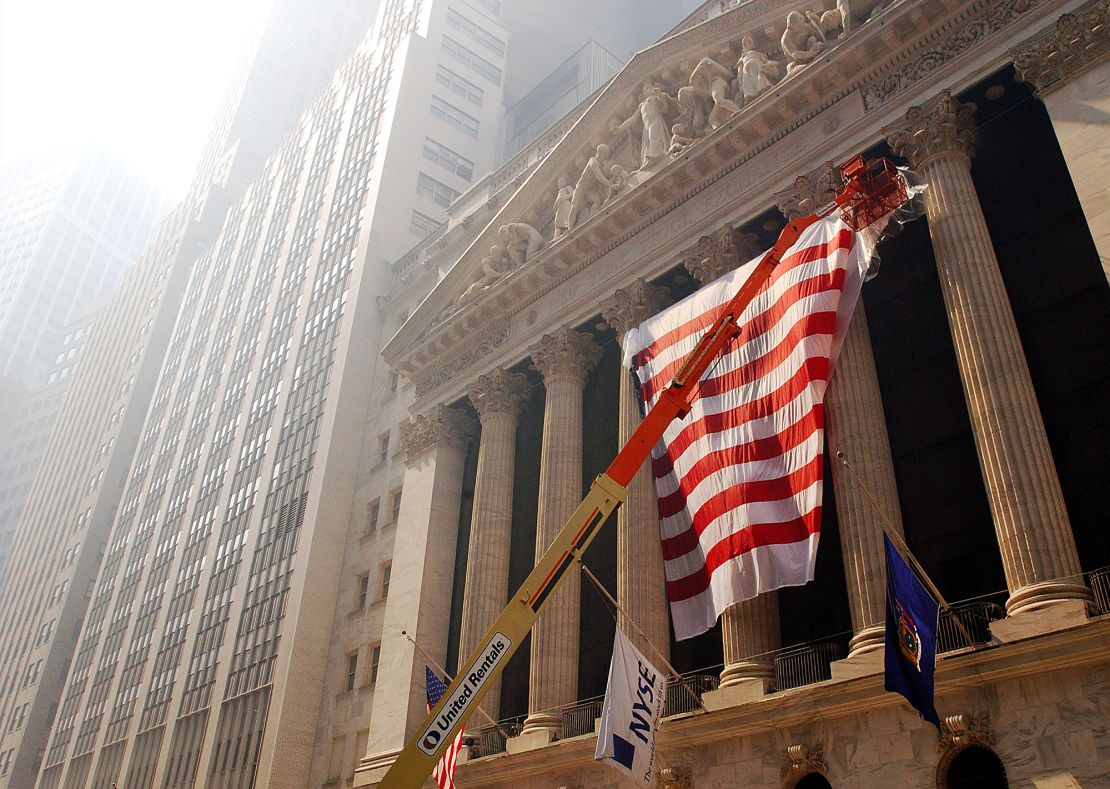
871, 190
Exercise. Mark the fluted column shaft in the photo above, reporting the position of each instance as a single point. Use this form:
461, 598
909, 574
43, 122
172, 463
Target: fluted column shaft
857, 428
750, 634
498, 398
641, 582
564, 358
1027, 505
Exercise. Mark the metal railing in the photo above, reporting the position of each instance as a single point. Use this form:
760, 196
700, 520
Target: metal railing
490, 740
976, 618
578, 719
685, 695
1100, 585
806, 664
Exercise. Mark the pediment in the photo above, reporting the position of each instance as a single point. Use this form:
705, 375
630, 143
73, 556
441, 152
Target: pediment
471, 308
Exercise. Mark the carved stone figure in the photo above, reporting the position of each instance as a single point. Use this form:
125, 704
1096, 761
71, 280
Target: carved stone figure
495, 265
592, 187
692, 122
826, 22
710, 78
520, 241
651, 117
618, 182
563, 200
801, 42
754, 70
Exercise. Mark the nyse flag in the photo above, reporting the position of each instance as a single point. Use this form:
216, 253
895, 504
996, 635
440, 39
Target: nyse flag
630, 717
911, 636
740, 478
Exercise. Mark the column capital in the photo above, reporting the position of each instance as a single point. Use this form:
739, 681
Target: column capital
633, 305
499, 392
442, 426
719, 253
566, 352
942, 126
1059, 53
809, 192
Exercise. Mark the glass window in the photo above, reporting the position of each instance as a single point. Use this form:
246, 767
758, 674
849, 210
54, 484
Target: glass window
458, 22
373, 510
439, 193
422, 224
372, 669
383, 588
460, 86
363, 588
473, 61
352, 668
453, 116
448, 159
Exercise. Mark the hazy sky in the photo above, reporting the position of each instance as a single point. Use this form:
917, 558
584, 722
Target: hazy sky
141, 77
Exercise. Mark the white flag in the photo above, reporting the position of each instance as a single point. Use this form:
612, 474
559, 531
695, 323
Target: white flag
630, 717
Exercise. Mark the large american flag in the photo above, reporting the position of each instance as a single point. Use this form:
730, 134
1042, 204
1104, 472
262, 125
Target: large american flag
444, 772
740, 478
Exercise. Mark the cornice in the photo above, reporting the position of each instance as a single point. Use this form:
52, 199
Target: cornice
437, 330
1076, 42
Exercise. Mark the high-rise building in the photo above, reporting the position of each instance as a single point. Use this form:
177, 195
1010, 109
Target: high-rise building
63, 531
70, 225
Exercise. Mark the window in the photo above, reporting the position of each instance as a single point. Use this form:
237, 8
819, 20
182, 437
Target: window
448, 159
394, 382
422, 224
460, 86
383, 447
439, 193
373, 511
363, 588
6, 760
473, 61
19, 715
352, 669
457, 21
394, 506
383, 588
493, 7
453, 116
372, 668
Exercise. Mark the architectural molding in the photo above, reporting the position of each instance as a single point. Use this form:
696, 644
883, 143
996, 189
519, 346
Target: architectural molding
809, 192
443, 426
676, 777
993, 16
942, 126
499, 392
463, 357
960, 731
799, 761
633, 305
565, 353
719, 253
1074, 43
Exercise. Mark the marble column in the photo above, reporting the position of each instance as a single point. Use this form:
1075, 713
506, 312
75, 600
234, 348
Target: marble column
1069, 65
749, 630
498, 398
856, 426
564, 358
641, 585
1027, 505
422, 574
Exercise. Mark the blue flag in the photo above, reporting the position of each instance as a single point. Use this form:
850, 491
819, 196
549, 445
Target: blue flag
911, 636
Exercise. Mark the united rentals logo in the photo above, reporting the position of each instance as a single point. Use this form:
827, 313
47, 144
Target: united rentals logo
909, 640
455, 706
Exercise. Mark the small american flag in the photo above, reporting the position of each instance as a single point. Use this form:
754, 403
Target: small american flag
740, 478
444, 772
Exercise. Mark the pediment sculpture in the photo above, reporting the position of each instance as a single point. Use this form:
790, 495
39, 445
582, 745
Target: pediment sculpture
666, 121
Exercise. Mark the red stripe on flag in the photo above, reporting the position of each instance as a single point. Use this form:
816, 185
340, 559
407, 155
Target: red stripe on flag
737, 544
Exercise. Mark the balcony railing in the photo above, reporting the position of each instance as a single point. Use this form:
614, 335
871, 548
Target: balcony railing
685, 695
1100, 585
578, 719
975, 617
797, 666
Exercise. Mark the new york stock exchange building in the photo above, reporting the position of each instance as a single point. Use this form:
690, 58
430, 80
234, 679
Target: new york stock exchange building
970, 400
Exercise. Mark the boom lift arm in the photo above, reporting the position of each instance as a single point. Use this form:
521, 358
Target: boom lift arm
871, 191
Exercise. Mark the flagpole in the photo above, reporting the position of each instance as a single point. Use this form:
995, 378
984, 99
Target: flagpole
902, 547
450, 679
666, 663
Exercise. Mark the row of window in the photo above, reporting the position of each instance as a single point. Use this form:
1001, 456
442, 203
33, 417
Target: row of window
373, 511
448, 159
484, 38
460, 86
362, 586
472, 60
454, 117
374, 654
436, 191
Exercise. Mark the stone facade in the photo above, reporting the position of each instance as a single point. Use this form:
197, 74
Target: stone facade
888, 75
